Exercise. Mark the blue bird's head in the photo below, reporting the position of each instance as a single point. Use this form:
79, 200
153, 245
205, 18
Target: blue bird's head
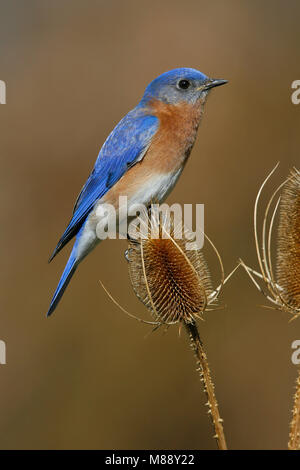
183, 84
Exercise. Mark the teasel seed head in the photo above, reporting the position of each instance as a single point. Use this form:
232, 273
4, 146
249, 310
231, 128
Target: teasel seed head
282, 289
168, 272
173, 282
288, 245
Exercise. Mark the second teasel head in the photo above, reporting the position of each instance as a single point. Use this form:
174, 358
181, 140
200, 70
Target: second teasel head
288, 245
282, 284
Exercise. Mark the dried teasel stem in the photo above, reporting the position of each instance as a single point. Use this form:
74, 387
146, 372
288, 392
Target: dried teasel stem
174, 283
294, 442
205, 377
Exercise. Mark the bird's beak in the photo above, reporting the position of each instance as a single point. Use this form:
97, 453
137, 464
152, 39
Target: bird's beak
213, 82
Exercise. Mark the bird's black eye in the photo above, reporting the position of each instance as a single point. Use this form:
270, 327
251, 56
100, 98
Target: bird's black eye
184, 84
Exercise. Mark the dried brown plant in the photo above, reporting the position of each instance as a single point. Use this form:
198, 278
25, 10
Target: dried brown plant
288, 252
283, 291
174, 283
294, 442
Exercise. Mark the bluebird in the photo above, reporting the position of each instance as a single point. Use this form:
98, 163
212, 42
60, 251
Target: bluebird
141, 159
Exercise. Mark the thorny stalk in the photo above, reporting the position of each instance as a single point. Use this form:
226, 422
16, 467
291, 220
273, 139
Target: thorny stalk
209, 389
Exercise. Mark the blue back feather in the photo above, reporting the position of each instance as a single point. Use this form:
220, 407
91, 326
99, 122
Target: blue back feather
124, 147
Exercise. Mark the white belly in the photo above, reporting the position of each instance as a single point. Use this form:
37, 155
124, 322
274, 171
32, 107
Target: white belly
156, 189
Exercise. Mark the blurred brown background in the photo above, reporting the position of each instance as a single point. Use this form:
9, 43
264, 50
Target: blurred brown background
89, 377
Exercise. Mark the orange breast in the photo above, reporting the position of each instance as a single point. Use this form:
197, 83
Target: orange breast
176, 135
169, 148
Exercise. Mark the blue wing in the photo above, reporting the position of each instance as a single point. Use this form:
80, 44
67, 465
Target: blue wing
124, 147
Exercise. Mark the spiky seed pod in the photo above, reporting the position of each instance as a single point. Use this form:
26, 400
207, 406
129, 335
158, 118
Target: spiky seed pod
282, 289
288, 250
172, 282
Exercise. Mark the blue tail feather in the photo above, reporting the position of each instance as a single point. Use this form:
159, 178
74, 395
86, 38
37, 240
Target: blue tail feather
64, 281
